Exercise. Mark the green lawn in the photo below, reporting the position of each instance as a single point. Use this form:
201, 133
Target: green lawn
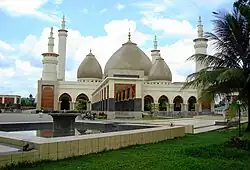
202, 152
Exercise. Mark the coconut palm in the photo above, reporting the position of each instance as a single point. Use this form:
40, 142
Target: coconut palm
228, 70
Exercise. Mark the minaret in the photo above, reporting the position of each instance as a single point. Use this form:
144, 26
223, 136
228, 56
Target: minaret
155, 53
50, 61
200, 44
62, 36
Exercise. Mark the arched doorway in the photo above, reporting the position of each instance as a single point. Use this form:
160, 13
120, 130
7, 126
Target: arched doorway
81, 102
148, 100
65, 100
163, 103
178, 101
191, 103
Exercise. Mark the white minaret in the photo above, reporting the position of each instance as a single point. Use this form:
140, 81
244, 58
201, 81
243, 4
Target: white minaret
50, 61
155, 53
62, 34
200, 45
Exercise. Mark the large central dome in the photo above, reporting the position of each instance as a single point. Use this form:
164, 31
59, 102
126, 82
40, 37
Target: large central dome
129, 57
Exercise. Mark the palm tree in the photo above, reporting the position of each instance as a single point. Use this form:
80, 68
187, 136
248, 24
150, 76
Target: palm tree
228, 70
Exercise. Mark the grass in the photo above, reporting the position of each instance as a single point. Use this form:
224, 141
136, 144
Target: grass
205, 151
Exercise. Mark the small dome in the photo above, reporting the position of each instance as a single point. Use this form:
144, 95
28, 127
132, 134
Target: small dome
129, 57
160, 71
89, 68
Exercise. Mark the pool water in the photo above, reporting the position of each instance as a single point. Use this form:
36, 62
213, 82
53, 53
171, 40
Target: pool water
45, 130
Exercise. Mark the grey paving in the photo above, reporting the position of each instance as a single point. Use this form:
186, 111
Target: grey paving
7, 149
23, 117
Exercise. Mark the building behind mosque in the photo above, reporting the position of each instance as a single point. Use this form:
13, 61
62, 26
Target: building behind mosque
130, 82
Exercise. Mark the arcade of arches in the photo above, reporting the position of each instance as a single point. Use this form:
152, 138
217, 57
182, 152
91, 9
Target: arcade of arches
66, 103
177, 105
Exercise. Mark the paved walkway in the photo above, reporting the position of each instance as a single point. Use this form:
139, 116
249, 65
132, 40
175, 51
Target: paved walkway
7, 149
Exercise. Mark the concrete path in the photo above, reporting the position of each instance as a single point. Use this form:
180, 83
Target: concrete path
7, 149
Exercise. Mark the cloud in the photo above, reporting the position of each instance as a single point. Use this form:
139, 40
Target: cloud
170, 26
6, 46
27, 7
116, 33
85, 11
103, 10
58, 2
120, 6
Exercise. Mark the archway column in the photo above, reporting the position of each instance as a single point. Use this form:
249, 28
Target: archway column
156, 106
59, 105
212, 106
70, 105
182, 107
171, 107
185, 107
73, 105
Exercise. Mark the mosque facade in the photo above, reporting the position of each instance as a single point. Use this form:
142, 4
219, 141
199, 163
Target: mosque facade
130, 84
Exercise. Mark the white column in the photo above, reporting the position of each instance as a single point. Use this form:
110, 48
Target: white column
3, 98
15, 100
62, 54
212, 106
73, 105
59, 105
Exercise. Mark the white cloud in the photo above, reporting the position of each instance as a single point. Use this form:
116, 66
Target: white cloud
6, 46
120, 6
170, 26
58, 2
103, 10
27, 7
78, 47
85, 11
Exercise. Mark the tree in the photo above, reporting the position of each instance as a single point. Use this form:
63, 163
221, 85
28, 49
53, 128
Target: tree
81, 105
31, 96
228, 70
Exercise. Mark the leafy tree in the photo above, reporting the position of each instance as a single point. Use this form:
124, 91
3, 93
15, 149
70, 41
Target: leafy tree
81, 105
228, 70
28, 101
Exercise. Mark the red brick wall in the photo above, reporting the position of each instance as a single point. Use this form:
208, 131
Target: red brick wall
1, 99
47, 98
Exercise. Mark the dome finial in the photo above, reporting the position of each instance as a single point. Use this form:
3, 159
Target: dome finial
90, 51
129, 35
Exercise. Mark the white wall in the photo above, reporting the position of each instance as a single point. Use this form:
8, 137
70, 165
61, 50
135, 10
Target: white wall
158, 88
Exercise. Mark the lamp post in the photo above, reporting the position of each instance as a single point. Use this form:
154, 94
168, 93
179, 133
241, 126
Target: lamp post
239, 112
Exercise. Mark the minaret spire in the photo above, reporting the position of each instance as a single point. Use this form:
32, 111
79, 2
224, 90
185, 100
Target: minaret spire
200, 28
50, 60
155, 43
62, 45
63, 22
51, 41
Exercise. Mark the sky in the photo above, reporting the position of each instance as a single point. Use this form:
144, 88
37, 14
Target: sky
100, 25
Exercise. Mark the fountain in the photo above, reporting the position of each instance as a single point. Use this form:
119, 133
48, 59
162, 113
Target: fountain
64, 124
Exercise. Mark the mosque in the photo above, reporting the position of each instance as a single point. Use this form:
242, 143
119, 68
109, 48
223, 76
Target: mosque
130, 84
